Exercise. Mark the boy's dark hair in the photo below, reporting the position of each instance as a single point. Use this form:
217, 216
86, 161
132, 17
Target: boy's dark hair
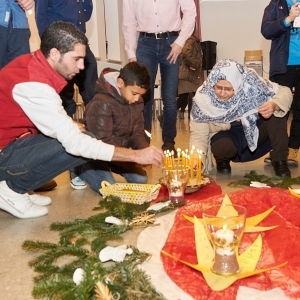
62, 36
135, 73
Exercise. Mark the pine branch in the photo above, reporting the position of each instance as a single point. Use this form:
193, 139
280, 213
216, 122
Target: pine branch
52, 256
270, 181
61, 288
38, 246
124, 280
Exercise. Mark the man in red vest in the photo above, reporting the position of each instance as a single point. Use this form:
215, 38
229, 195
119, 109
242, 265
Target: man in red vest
38, 140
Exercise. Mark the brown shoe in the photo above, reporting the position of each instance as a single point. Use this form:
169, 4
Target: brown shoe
50, 185
292, 157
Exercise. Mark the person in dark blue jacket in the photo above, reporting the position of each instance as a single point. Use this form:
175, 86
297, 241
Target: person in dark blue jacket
14, 30
278, 26
14, 37
77, 12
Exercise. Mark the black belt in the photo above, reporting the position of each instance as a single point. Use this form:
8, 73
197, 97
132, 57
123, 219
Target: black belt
160, 35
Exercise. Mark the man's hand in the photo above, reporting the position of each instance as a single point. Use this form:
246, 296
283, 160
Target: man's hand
132, 59
267, 109
147, 156
175, 52
80, 126
150, 155
26, 4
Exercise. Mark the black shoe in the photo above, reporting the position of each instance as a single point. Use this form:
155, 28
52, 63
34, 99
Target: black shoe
170, 147
281, 169
50, 185
290, 162
223, 166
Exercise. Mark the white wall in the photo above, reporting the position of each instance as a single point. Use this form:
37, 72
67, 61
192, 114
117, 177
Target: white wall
235, 26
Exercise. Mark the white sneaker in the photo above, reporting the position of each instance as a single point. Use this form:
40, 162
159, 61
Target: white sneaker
19, 205
40, 200
78, 184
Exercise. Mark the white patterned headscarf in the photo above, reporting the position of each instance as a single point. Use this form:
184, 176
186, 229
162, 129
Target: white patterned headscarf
250, 91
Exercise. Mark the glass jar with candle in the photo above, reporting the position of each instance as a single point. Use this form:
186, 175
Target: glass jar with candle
225, 227
176, 178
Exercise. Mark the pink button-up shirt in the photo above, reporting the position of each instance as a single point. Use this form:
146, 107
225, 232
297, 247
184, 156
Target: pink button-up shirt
154, 16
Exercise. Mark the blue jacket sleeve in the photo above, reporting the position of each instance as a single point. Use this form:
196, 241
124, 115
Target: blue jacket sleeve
88, 9
41, 16
273, 25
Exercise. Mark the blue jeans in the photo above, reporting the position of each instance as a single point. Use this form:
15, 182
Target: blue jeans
95, 172
14, 42
28, 163
151, 52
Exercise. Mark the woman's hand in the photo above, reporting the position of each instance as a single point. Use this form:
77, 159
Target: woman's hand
267, 109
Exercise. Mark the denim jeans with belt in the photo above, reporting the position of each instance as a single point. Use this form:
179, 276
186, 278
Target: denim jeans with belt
28, 163
151, 52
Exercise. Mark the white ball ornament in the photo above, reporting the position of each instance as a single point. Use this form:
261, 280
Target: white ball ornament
78, 276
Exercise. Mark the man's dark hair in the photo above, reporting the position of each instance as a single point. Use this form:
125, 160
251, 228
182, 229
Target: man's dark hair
135, 73
63, 36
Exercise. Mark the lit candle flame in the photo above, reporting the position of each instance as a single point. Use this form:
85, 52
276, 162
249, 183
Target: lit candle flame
148, 133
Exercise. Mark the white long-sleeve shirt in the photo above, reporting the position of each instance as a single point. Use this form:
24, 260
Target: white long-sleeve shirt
35, 98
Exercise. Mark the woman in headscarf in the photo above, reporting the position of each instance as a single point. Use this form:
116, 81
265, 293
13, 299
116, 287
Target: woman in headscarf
239, 116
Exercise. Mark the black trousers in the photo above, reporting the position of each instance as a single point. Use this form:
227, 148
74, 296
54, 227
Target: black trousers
273, 129
184, 100
291, 79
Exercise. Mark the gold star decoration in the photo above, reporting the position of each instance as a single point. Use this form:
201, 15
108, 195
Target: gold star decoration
103, 292
205, 255
142, 220
251, 222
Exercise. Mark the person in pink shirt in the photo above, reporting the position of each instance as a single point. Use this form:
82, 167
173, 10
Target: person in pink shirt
162, 31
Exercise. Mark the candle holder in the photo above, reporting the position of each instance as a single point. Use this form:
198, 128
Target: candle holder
225, 227
176, 181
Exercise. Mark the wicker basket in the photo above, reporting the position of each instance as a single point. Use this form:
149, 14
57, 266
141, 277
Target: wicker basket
131, 192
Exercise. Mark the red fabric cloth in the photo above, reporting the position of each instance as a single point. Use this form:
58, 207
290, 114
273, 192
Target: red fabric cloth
279, 245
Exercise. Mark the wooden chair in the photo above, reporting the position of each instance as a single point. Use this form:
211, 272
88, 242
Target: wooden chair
78, 116
157, 107
254, 59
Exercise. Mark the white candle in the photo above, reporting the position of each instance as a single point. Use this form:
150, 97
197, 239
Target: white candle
227, 237
176, 188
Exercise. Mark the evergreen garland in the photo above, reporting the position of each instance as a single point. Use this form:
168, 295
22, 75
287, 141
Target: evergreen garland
79, 245
270, 181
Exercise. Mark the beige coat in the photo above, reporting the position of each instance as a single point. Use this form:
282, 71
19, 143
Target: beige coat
201, 133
